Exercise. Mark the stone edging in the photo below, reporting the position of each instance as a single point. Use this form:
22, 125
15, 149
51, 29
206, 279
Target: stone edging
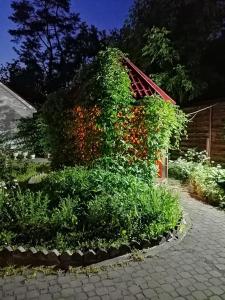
32, 257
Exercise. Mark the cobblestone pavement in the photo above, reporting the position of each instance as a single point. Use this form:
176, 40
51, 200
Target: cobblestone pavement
193, 268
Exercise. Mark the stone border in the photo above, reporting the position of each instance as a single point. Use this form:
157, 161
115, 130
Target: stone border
32, 257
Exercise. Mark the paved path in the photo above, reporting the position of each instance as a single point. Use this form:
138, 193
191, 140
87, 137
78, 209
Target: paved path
191, 269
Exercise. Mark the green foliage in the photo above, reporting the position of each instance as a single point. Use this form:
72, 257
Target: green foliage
205, 180
165, 123
196, 156
109, 89
194, 41
184, 166
32, 135
6, 237
70, 182
159, 48
24, 216
81, 208
165, 60
105, 83
126, 165
113, 94
52, 43
112, 85
57, 117
205, 184
140, 211
5, 170
64, 215
181, 169
21, 209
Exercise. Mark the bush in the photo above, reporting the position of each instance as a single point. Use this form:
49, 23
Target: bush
125, 165
192, 155
32, 135
141, 212
181, 169
5, 170
78, 207
206, 181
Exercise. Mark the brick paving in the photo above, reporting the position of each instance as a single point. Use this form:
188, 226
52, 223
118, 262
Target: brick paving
192, 269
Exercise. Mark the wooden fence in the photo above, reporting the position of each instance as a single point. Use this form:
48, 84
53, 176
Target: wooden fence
206, 130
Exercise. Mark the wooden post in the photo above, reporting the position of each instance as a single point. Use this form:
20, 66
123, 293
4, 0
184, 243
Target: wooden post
166, 167
209, 139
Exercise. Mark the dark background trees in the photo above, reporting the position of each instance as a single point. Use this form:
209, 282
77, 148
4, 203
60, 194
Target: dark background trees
51, 43
179, 43
196, 33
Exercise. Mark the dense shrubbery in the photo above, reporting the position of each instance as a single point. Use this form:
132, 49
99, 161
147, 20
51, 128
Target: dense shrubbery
126, 165
206, 180
32, 135
77, 207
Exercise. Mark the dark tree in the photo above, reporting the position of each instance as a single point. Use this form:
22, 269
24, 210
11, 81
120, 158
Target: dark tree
51, 43
195, 29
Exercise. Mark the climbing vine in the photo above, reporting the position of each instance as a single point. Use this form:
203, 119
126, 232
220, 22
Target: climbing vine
108, 123
165, 124
114, 97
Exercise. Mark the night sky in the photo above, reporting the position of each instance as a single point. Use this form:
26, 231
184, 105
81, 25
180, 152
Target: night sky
105, 14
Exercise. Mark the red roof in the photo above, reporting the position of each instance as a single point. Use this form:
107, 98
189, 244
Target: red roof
142, 85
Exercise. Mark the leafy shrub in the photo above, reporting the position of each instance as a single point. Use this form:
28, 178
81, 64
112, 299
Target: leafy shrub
5, 170
32, 135
70, 182
6, 237
181, 169
27, 208
125, 165
141, 211
206, 181
78, 207
64, 215
192, 155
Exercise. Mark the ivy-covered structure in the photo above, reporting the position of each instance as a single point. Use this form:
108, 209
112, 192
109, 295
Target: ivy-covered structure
113, 110
142, 86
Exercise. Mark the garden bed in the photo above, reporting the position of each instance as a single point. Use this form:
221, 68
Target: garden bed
205, 180
79, 209
19, 256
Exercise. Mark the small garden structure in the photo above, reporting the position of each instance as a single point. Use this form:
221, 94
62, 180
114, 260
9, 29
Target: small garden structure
114, 108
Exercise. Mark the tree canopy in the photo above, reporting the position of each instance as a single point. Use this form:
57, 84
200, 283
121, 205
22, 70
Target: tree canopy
51, 43
180, 44
195, 30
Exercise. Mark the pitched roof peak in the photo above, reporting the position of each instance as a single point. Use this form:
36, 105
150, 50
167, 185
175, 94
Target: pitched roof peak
142, 85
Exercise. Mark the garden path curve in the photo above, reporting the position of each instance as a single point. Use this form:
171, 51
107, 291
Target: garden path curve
193, 268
